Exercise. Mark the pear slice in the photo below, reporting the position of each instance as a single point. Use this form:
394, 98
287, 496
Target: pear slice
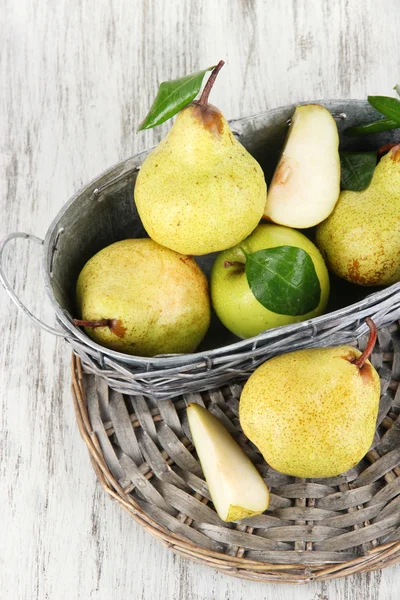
306, 183
236, 487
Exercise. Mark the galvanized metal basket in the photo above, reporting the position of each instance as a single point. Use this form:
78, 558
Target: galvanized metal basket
104, 212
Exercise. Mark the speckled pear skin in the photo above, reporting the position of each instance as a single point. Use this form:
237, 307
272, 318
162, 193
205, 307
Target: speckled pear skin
312, 413
200, 191
159, 298
361, 239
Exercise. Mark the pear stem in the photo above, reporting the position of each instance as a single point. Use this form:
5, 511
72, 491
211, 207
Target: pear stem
361, 360
384, 149
210, 82
100, 323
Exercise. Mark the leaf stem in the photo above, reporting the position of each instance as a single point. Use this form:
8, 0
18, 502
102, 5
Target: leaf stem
361, 360
210, 82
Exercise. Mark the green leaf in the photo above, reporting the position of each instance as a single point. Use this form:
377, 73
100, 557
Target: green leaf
389, 107
172, 96
374, 127
356, 170
284, 280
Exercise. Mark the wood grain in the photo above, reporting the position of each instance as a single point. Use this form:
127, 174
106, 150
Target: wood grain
76, 79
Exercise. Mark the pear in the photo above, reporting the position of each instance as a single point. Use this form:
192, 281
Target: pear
306, 183
200, 191
312, 413
361, 238
140, 298
236, 487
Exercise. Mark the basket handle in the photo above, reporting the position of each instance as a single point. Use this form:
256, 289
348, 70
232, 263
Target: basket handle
7, 286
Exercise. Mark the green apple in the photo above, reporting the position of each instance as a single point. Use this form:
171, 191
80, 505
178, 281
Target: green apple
232, 298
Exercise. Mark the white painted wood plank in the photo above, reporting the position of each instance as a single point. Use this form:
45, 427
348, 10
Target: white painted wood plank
76, 79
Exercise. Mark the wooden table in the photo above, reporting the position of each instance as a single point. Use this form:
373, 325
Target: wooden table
76, 79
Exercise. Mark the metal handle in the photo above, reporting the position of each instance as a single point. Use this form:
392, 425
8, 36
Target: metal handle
7, 286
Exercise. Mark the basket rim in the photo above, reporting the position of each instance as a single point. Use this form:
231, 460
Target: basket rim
129, 165
379, 557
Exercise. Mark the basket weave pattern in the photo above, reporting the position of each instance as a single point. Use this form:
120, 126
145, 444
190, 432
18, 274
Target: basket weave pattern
314, 529
222, 366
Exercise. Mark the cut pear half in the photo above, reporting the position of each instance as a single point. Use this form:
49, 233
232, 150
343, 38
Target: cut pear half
306, 183
236, 487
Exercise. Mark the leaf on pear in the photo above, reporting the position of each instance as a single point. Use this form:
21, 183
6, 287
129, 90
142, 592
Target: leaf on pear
389, 107
373, 127
356, 170
172, 96
284, 280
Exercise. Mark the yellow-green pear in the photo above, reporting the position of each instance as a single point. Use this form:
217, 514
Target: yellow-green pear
234, 302
306, 183
361, 239
312, 413
200, 190
236, 487
140, 298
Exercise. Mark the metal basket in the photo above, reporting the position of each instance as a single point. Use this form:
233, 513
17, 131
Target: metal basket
104, 212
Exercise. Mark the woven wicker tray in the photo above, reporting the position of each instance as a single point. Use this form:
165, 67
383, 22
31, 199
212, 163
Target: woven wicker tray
313, 530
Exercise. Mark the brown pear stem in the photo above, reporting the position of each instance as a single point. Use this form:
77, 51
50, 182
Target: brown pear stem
361, 360
384, 149
233, 263
210, 82
100, 323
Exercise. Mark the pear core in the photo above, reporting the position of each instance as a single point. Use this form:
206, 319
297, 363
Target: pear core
151, 299
312, 413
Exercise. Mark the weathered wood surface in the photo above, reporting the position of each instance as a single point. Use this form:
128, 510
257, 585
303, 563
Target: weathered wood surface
76, 78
